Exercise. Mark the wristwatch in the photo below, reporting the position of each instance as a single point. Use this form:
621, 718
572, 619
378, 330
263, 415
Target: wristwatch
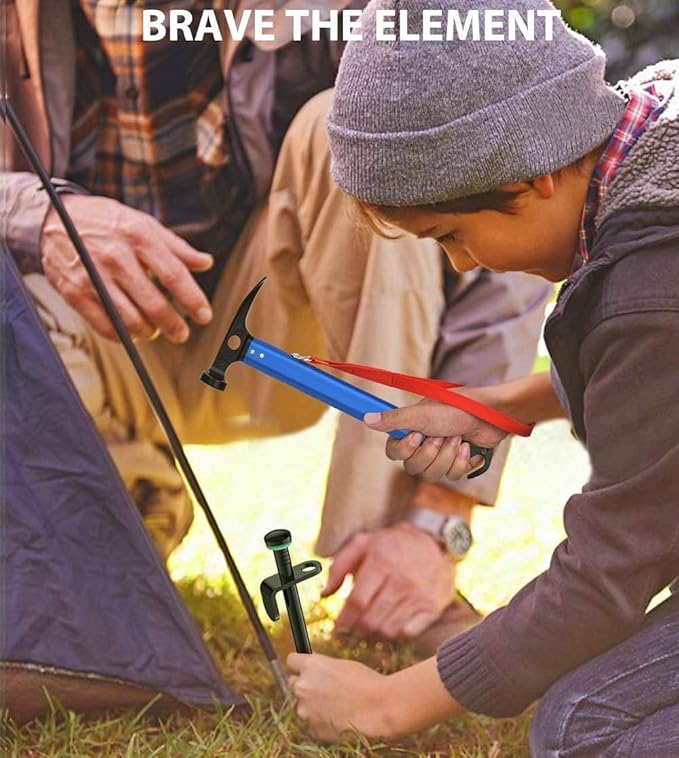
452, 532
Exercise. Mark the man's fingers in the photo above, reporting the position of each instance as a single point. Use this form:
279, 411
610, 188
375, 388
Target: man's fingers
135, 320
196, 260
400, 622
156, 308
92, 311
345, 561
418, 623
175, 276
368, 582
125, 244
90, 308
383, 616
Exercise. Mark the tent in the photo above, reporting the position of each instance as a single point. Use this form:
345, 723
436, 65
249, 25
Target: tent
87, 609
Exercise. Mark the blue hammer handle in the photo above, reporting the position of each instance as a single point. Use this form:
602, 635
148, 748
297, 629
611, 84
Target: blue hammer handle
329, 389
325, 387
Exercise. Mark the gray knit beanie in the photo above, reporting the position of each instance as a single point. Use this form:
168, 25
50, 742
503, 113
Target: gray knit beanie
416, 122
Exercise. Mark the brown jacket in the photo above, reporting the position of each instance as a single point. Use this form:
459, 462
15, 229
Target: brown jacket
613, 337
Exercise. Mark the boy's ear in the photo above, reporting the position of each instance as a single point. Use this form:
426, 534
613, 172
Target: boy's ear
544, 186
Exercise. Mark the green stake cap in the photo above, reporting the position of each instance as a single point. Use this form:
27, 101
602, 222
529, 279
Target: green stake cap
278, 539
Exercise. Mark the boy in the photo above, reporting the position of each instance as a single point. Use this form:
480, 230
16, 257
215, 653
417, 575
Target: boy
518, 156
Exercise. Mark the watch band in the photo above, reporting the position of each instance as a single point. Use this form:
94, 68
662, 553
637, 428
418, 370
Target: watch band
433, 523
426, 519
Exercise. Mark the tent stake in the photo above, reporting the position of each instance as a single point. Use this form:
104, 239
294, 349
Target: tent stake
9, 115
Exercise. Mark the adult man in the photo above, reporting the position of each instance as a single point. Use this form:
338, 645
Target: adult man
185, 137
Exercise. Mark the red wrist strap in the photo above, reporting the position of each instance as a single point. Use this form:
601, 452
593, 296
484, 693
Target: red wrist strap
434, 389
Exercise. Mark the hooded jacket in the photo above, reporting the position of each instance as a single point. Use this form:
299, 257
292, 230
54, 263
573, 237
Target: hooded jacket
614, 341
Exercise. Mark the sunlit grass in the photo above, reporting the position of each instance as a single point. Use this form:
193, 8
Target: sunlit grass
257, 486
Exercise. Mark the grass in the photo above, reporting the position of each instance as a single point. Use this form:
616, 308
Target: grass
260, 485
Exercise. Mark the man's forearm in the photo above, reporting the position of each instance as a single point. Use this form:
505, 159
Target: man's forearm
443, 499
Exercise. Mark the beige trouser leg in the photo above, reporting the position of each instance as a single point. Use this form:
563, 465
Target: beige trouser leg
332, 290
145, 466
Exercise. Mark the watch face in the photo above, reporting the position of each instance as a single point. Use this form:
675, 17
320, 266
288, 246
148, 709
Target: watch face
457, 537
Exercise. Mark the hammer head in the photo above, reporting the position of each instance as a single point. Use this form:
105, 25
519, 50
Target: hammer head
235, 343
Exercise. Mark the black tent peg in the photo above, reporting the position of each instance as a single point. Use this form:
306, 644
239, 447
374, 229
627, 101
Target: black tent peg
286, 580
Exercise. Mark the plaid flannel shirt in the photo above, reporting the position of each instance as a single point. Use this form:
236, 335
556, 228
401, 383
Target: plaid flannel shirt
643, 108
150, 125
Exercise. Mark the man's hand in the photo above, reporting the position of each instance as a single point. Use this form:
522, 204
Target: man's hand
402, 581
128, 248
442, 453
334, 696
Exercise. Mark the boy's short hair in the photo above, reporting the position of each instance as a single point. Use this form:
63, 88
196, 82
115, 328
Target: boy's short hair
373, 215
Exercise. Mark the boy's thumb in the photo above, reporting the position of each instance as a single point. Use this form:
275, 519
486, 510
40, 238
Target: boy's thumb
385, 421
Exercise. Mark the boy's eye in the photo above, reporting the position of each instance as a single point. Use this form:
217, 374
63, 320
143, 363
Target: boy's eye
450, 237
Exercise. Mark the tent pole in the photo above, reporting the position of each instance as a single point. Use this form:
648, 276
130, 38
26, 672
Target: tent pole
9, 115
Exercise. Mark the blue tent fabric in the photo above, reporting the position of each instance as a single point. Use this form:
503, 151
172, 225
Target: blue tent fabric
83, 587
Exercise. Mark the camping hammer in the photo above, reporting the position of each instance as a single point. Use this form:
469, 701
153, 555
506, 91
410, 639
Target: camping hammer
295, 371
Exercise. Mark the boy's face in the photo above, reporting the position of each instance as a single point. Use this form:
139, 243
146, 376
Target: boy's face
541, 237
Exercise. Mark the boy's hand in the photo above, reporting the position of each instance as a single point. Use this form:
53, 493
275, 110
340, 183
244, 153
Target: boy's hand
442, 454
391, 597
128, 248
334, 696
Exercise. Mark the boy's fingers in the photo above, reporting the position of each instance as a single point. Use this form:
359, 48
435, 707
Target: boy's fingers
428, 417
424, 456
387, 421
461, 466
442, 463
295, 662
476, 462
401, 450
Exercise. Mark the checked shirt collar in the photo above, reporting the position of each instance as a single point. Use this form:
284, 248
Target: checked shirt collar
644, 106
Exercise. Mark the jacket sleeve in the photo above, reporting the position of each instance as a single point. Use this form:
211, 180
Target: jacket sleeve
489, 334
622, 543
25, 206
